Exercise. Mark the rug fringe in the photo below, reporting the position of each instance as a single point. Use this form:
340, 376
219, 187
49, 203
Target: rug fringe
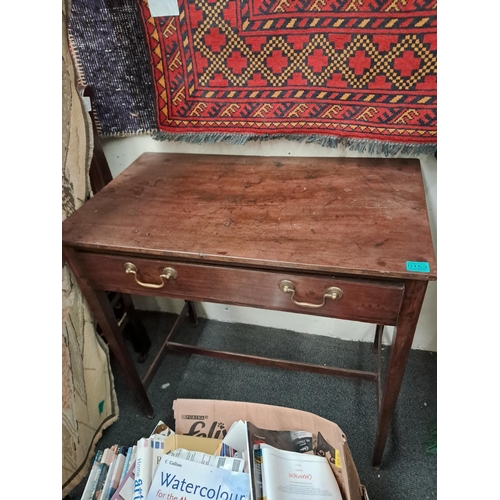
360, 145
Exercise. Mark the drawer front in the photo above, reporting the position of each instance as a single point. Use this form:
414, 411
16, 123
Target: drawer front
354, 299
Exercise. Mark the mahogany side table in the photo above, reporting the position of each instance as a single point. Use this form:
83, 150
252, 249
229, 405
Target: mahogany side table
345, 238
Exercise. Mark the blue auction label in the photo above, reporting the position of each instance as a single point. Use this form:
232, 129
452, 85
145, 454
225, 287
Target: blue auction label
419, 267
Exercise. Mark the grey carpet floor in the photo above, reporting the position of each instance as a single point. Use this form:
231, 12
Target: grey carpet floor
408, 470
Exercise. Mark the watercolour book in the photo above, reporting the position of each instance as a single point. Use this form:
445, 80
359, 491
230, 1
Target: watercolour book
287, 475
178, 478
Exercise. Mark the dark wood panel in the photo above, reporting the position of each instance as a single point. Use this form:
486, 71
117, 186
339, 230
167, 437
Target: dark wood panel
363, 299
360, 216
99, 172
400, 350
234, 227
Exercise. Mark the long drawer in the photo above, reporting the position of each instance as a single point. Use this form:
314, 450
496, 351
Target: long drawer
339, 297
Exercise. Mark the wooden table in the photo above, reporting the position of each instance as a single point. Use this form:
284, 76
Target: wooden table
345, 238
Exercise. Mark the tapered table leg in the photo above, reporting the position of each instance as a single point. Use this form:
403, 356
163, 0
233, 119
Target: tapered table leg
379, 331
139, 336
193, 317
103, 313
405, 331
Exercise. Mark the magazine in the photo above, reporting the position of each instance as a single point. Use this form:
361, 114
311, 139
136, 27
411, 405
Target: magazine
294, 441
106, 461
143, 466
114, 474
179, 478
126, 464
126, 487
229, 463
325, 449
125, 490
288, 475
92, 479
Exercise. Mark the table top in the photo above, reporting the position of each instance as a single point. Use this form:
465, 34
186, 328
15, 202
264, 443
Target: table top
355, 216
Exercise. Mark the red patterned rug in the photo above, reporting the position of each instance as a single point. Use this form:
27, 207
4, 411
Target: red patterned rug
358, 71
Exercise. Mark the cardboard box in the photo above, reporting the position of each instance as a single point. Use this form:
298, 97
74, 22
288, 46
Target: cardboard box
191, 443
212, 419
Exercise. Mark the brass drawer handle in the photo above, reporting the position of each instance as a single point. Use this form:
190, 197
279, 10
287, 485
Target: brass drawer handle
333, 293
169, 273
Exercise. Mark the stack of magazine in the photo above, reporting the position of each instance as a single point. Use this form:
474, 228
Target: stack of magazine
113, 471
289, 465
248, 464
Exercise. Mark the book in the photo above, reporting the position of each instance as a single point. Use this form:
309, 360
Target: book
157, 441
132, 458
125, 490
325, 449
92, 478
98, 473
228, 463
114, 474
107, 458
295, 441
105, 488
126, 486
179, 478
288, 475
234, 443
143, 466
126, 464
162, 429
149, 452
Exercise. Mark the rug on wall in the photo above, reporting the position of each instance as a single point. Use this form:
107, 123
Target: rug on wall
110, 54
360, 72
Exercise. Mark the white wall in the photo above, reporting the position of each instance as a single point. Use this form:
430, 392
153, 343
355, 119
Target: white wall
121, 152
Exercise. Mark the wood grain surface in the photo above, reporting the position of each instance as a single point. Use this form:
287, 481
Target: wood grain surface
372, 301
355, 216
